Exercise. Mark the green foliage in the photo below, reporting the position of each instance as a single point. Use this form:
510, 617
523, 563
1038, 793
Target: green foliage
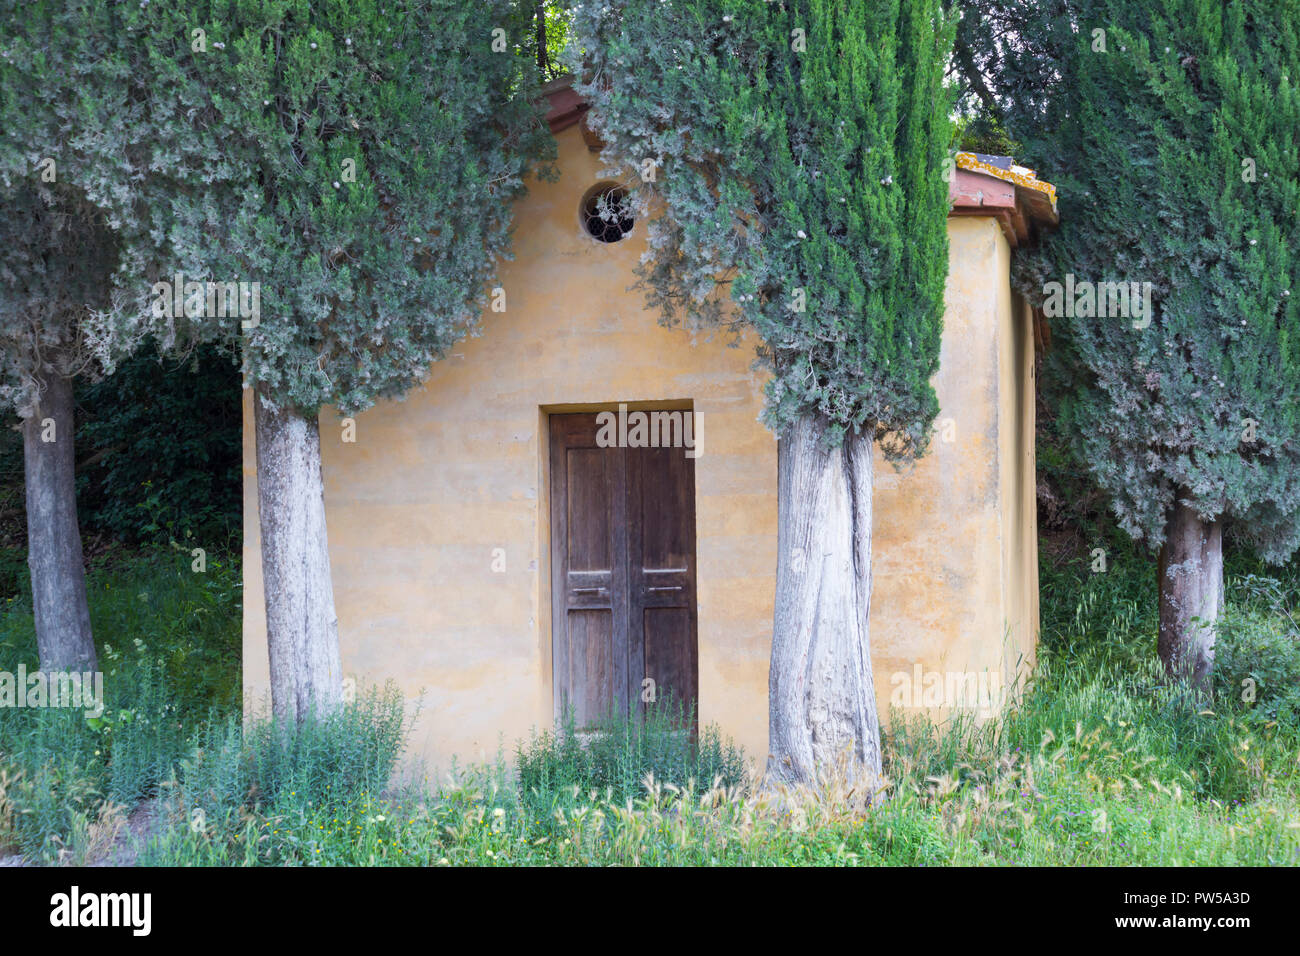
554, 20
614, 756
169, 646
162, 440
329, 760
799, 178
319, 766
982, 133
81, 234
374, 151
1102, 763
1170, 128
15, 575
159, 445
336, 757
1257, 651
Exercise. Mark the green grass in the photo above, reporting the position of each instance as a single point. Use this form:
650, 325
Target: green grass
1101, 763
169, 643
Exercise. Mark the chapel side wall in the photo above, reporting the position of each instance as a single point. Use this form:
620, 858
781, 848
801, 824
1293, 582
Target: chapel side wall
937, 591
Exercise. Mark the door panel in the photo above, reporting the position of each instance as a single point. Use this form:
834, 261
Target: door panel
592, 663
661, 566
623, 572
670, 653
589, 568
590, 516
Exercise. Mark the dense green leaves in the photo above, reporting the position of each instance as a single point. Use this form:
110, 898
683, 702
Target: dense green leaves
160, 447
1172, 130
65, 196
795, 151
374, 150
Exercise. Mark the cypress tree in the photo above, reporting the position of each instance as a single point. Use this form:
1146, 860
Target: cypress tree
376, 148
80, 225
794, 153
1172, 129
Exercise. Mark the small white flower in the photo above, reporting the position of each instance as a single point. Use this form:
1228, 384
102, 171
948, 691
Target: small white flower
801, 234
313, 46
336, 185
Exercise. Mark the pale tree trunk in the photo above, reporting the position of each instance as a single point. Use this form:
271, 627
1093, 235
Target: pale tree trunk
53, 537
301, 627
822, 701
1191, 594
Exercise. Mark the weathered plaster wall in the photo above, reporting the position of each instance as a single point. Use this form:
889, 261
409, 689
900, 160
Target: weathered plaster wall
435, 483
948, 546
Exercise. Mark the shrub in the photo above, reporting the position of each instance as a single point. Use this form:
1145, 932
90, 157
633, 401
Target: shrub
1257, 652
160, 445
615, 756
169, 649
328, 760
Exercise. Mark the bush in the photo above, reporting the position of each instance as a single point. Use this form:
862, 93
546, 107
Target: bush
322, 761
614, 757
159, 449
328, 760
15, 576
235, 777
1257, 652
168, 640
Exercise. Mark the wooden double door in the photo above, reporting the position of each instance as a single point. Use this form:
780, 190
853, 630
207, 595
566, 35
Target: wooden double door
622, 574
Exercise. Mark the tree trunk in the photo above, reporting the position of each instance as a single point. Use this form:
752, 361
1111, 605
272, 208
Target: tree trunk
539, 24
822, 698
1191, 594
301, 627
53, 537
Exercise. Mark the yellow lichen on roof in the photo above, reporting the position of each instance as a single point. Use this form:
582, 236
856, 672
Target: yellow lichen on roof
1019, 175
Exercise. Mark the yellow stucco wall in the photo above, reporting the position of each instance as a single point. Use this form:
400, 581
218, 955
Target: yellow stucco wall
433, 484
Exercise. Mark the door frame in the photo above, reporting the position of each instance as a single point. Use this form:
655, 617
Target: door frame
548, 708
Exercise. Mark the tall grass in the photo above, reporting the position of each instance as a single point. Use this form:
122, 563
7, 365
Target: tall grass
1099, 762
268, 770
168, 640
615, 753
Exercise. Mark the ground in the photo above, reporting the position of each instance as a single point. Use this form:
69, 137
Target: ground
1101, 764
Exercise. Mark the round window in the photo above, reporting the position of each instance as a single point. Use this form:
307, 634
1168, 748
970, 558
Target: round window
607, 212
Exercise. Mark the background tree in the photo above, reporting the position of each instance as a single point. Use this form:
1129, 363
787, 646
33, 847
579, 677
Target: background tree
795, 152
78, 231
1172, 130
58, 268
379, 148
543, 27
